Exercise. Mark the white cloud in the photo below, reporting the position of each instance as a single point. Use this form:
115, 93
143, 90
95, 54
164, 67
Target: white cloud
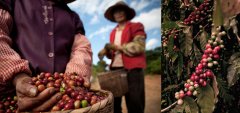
84, 6
151, 19
155, 32
152, 43
92, 7
138, 6
101, 31
94, 20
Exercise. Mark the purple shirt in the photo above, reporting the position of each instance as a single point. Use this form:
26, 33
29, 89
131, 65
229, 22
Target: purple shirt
44, 33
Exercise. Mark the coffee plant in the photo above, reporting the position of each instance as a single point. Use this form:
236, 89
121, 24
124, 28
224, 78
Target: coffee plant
200, 60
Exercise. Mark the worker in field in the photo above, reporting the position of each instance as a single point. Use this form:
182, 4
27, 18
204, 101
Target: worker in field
127, 51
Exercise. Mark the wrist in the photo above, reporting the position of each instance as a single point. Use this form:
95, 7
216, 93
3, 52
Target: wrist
119, 48
19, 77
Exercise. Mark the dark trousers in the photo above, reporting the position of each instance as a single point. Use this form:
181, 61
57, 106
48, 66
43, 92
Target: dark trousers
135, 97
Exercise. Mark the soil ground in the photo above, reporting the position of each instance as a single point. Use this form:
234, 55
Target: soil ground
152, 93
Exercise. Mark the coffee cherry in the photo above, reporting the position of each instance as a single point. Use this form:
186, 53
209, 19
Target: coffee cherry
84, 103
192, 78
210, 65
75, 94
215, 63
50, 78
61, 104
56, 75
93, 101
56, 108
177, 96
41, 76
191, 88
79, 97
204, 83
181, 95
47, 75
189, 93
195, 93
209, 74
50, 84
41, 87
69, 106
77, 104
180, 102
38, 83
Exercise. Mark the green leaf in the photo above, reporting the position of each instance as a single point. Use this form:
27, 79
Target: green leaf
206, 99
170, 45
197, 52
233, 25
191, 105
234, 57
233, 74
177, 109
187, 41
203, 39
181, 24
217, 14
215, 87
224, 91
170, 87
180, 65
174, 57
169, 25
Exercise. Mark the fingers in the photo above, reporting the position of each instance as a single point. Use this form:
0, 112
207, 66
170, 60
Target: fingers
106, 45
87, 83
28, 102
49, 104
101, 54
24, 87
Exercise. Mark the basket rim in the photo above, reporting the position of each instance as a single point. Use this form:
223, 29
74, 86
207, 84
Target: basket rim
99, 105
109, 72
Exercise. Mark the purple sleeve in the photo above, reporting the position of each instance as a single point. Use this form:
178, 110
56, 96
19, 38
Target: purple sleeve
78, 24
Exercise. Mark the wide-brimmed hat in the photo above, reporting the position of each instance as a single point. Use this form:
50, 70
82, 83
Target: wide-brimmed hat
69, 1
130, 12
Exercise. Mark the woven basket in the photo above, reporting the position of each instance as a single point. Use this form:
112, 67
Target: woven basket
104, 106
114, 81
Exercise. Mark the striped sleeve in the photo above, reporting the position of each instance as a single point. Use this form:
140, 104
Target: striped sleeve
136, 47
81, 57
11, 63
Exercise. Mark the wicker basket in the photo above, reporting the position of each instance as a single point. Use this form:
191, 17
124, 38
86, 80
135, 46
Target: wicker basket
114, 81
104, 106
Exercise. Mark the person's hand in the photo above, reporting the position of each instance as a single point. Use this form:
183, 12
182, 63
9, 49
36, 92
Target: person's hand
102, 53
109, 47
28, 97
86, 83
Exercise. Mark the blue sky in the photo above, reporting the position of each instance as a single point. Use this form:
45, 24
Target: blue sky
98, 28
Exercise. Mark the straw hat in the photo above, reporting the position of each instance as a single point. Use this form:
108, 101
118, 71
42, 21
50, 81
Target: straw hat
130, 12
69, 1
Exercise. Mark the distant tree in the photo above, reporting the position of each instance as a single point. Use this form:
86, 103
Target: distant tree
153, 61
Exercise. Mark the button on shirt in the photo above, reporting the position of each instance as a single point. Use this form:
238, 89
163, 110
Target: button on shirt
45, 33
